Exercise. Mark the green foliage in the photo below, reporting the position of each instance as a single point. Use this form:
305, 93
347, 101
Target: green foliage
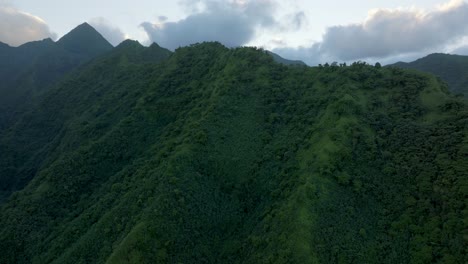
216, 155
450, 68
39, 130
32, 69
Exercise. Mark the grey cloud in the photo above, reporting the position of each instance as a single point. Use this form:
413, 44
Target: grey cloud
463, 50
259, 12
298, 20
162, 18
310, 55
110, 32
191, 6
278, 42
392, 33
232, 23
18, 27
388, 32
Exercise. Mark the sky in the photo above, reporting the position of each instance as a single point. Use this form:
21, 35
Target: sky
312, 31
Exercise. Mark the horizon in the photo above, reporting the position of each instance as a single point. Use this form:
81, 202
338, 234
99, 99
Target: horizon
148, 44
266, 24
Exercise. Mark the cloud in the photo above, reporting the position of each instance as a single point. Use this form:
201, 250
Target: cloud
310, 55
388, 32
233, 23
450, 5
162, 18
19, 27
298, 19
110, 32
463, 50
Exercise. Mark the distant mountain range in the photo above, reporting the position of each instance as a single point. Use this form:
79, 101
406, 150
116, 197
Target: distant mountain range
453, 69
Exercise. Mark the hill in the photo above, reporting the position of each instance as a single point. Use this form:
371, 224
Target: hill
284, 61
453, 69
217, 155
30, 69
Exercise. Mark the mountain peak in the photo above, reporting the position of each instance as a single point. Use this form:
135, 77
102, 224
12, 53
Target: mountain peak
84, 39
129, 43
85, 25
37, 46
137, 53
155, 45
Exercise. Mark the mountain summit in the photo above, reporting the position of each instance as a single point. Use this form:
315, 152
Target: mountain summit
84, 39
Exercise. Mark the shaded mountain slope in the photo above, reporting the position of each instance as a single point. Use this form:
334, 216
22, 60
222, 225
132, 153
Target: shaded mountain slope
84, 40
219, 155
30, 69
29, 142
453, 69
284, 61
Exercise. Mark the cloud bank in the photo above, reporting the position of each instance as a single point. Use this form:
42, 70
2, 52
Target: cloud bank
110, 32
388, 32
233, 23
18, 27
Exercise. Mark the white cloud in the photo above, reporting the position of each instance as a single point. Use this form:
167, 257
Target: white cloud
450, 5
19, 27
110, 32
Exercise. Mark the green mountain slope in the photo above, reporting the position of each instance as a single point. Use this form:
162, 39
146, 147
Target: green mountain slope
31, 69
216, 155
453, 69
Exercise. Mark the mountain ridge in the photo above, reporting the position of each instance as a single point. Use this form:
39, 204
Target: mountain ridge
218, 155
32, 68
451, 68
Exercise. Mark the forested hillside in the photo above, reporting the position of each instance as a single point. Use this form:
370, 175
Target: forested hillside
453, 69
31, 69
217, 155
29, 142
